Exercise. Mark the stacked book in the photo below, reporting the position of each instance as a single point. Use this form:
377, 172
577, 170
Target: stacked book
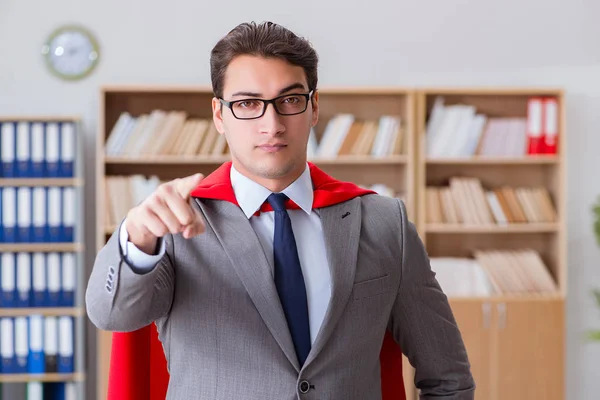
347, 135
459, 130
494, 272
466, 201
170, 133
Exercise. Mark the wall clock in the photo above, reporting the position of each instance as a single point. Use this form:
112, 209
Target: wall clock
71, 52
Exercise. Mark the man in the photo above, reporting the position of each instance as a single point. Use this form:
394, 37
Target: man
268, 279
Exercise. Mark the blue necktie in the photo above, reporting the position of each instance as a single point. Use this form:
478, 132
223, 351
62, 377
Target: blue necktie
289, 280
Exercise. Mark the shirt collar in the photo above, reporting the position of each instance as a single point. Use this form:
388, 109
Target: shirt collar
251, 195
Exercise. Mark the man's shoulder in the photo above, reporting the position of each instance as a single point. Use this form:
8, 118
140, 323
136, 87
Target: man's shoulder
382, 203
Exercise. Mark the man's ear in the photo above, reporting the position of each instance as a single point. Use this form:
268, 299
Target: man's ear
217, 110
315, 108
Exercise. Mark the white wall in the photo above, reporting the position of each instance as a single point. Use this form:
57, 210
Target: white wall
485, 42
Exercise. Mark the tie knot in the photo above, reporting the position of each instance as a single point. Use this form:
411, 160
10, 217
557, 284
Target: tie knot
277, 201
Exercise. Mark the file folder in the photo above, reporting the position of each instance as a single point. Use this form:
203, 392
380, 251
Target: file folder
9, 214
69, 210
23, 279
51, 344
66, 362
67, 149
21, 345
7, 345
40, 224
8, 149
54, 214
38, 145
8, 279
52, 150
40, 291
23, 149
53, 270
24, 213
68, 280
37, 361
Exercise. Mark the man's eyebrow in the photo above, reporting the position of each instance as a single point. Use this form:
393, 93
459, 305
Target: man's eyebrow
293, 86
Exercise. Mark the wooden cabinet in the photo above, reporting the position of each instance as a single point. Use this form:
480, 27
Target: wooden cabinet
515, 346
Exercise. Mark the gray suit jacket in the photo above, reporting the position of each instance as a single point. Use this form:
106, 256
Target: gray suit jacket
224, 332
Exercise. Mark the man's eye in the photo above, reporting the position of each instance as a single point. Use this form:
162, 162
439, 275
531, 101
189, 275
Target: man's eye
247, 104
292, 100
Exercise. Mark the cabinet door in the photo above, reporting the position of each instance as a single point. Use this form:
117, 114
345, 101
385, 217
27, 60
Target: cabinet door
474, 319
529, 350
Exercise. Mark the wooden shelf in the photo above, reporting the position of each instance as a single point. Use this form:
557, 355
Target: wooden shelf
41, 182
178, 160
535, 160
510, 228
54, 377
41, 247
45, 311
498, 298
39, 118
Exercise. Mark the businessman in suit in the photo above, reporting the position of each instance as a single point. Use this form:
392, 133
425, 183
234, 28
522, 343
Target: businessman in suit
269, 279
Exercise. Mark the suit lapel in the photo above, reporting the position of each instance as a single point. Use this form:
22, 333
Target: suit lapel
245, 252
341, 228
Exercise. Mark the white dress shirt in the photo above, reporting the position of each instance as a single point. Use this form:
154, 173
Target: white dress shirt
308, 232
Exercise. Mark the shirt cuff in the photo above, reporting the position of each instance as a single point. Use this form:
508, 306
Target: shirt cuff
136, 258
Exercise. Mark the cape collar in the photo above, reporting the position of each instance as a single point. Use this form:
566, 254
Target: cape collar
326, 189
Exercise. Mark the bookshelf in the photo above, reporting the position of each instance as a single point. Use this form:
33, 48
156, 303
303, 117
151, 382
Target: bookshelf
395, 170
42, 167
514, 333
515, 338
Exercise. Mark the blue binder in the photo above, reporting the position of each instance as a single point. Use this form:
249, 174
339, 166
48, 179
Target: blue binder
24, 214
38, 150
23, 149
66, 362
52, 150
9, 214
69, 208
7, 345
40, 214
67, 149
23, 279
39, 281
8, 280
53, 282
54, 214
8, 147
21, 345
37, 362
68, 280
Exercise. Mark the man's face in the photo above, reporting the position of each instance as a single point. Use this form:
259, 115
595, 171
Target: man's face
272, 146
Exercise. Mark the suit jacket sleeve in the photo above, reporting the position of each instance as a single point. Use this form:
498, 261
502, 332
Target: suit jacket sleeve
423, 324
122, 298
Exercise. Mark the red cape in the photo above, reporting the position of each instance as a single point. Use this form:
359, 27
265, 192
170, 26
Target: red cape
138, 368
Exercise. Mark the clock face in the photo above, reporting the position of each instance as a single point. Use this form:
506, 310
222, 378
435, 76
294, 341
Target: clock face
71, 52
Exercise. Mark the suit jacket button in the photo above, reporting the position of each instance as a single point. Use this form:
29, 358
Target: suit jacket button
304, 387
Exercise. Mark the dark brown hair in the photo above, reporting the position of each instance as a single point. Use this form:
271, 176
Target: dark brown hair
267, 40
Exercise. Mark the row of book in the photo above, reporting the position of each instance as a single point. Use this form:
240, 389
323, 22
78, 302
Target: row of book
466, 201
494, 272
458, 130
38, 214
347, 135
35, 390
32, 149
123, 192
37, 344
41, 279
164, 133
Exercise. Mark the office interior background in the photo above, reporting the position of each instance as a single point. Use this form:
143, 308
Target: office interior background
495, 55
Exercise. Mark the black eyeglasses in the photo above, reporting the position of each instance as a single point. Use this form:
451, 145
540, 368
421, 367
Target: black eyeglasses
288, 104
